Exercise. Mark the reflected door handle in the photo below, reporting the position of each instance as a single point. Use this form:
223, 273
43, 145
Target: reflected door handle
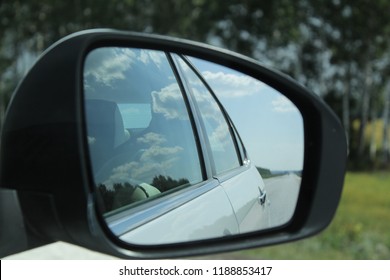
262, 197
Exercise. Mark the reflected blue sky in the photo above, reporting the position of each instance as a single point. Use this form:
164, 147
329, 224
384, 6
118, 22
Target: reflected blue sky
151, 112
269, 124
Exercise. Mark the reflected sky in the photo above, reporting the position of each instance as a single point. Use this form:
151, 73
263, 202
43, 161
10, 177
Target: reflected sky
269, 124
217, 129
141, 136
123, 75
141, 84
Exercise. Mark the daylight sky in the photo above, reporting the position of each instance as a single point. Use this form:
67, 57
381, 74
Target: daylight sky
269, 124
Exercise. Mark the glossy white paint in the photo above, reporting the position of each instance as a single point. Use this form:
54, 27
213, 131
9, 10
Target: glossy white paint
207, 216
243, 191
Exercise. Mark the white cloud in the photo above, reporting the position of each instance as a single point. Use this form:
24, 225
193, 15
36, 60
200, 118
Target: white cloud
147, 56
283, 105
156, 159
155, 151
151, 138
107, 65
220, 137
169, 102
231, 85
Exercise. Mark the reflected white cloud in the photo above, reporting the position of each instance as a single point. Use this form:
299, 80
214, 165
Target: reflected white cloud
166, 102
219, 137
205, 101
148, 56
154, 160
283, 105
151, 138
156, 151
269, 124
109, 64
232, 85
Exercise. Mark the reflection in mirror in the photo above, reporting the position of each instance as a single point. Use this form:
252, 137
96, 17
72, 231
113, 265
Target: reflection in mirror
182, 149
271, 127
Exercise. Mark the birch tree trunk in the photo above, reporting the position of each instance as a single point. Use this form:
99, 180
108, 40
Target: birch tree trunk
373, 144
386, 128
365, 107
345, 100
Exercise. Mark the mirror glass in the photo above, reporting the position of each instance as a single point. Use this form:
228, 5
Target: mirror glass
183, 149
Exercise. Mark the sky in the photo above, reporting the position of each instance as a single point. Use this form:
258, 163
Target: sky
269, 124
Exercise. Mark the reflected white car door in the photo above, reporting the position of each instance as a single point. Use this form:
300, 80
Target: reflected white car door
212, 210
246, 194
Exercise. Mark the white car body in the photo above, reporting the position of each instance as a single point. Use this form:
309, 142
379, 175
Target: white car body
224, 210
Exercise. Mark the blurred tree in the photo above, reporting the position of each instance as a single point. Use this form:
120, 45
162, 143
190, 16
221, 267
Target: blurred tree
357, 35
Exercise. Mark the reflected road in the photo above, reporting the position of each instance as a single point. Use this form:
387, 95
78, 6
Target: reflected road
282, 193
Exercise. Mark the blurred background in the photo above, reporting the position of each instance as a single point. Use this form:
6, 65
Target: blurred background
339, 49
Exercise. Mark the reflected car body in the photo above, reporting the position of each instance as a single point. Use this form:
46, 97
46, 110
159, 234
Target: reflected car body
164, 151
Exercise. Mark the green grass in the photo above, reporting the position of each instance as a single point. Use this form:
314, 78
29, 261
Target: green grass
360, 229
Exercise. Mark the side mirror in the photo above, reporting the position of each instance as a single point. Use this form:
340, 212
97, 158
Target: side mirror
144, 146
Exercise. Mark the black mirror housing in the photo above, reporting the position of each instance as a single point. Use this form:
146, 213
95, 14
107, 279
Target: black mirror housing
44, 154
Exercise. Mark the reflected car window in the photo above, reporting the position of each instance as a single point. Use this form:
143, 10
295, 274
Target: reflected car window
140, 136
218, 133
